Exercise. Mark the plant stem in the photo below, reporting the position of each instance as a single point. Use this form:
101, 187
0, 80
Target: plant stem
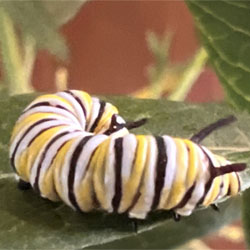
14, 73
29, 58
189, 77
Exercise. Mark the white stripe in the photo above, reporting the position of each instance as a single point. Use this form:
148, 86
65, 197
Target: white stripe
129, 150
33, 133
83, 160
76, 106
149, 182
84, 102
54, 110
22, 131
202, 178
51, 152
65, 170
109, 176
171, 152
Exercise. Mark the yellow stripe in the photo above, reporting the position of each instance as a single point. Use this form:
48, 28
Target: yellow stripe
87, 100
131, 186
57, 165
27, 158
224, 190
31, 119
143, 200
106, 117
234, 184
178, 189
85, 191
44, 98
193, 160
213, 192
100, 158
47, 185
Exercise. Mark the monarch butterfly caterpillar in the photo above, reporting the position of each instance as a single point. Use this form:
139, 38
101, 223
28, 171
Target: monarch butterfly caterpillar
72, 147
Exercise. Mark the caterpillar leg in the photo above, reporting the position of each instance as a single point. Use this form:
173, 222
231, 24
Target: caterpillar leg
215, 207
135, 225
176, 216
202, 134
23, 185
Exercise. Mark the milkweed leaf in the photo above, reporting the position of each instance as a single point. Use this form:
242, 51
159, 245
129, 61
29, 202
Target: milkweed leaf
28, 221
63, 11
225, 32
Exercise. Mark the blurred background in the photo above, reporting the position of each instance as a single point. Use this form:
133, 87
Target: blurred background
109, 52
140, 48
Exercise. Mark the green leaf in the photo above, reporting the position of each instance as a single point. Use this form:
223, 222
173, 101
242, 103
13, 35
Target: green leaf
28, 221
246, 215
35, 20
63, 11
13, 68
225, 32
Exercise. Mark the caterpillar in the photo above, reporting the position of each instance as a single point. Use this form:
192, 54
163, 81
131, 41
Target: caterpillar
76, 148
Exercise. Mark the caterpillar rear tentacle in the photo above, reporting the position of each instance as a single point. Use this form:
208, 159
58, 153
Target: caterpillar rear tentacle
76, 148
203, 133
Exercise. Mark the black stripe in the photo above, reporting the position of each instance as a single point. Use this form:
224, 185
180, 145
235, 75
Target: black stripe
186, 198
71, 176
98, 118
210, 181
42, 131
12, 159
160, 170
47, 104
42, 158
118, 179
207, 188
238, 178
229, 188
214, 172
79, 101
37, 105
112, 124
137, 194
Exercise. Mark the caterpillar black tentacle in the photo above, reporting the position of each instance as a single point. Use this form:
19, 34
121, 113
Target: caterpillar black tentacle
135, 124
76, 148
203, 133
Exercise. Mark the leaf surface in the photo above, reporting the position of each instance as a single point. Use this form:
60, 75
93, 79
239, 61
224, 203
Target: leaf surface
30, 222
225, 32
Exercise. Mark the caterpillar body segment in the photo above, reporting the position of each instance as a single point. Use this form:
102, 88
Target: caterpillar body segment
72, 147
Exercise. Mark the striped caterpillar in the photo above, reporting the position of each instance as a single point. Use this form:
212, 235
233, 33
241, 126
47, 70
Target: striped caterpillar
72, 147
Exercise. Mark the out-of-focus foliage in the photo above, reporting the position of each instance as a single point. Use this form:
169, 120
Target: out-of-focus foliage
27, 26
165, 78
